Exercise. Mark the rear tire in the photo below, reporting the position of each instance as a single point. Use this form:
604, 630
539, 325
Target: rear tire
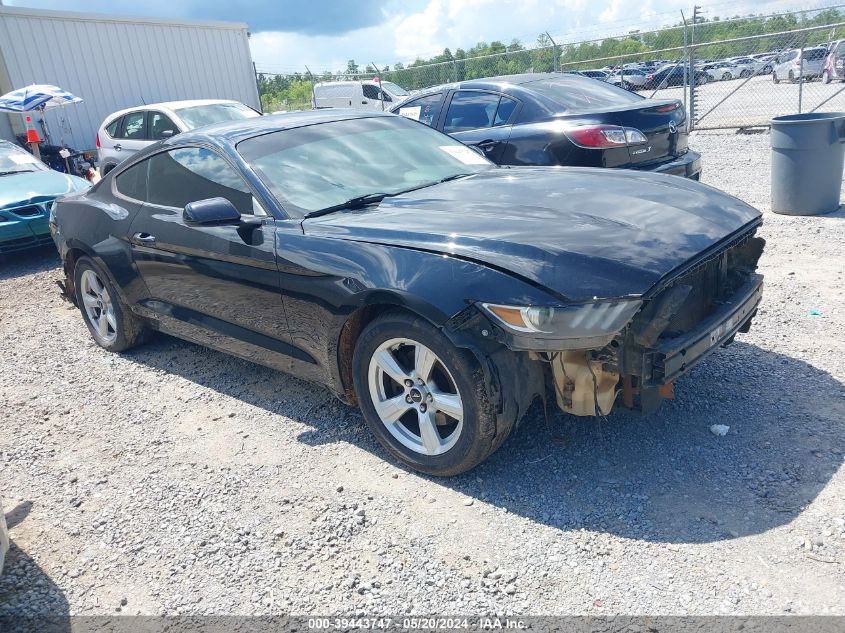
791, 77
112, 325
775, 77
726, 76
826, 77
424, 399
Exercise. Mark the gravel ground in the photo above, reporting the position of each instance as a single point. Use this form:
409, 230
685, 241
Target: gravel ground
175, 479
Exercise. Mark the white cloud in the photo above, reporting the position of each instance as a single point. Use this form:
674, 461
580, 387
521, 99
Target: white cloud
406, 34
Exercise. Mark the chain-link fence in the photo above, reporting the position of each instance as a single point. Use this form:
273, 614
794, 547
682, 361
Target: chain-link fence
729, 74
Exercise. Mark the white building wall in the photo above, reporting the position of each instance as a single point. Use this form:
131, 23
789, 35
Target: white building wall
115, 63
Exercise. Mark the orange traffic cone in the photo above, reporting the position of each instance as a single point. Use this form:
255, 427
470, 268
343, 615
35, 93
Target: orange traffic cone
32, 138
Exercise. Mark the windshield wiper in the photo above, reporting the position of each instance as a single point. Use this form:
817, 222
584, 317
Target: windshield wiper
352, 203
454, 177
16, 171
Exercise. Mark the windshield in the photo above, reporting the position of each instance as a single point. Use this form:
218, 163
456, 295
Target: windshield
15, 160
578, 94
319, 166
394, 89
197, 116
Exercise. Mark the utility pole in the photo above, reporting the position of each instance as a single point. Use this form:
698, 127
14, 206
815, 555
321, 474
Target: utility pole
695, 17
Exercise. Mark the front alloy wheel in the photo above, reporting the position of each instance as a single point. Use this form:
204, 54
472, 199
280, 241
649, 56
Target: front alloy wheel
425, 400
415, 396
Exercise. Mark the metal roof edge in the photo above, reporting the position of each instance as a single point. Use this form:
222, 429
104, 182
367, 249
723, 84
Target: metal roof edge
102, 17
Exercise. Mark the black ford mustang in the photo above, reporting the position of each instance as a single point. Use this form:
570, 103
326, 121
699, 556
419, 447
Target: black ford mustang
381, 258
559, 119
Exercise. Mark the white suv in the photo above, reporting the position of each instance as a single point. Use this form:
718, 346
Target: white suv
125, 132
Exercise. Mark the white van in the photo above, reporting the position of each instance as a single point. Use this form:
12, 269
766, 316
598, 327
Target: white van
366, 95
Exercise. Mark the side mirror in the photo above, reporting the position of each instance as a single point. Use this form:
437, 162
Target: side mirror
211, 211
167, 133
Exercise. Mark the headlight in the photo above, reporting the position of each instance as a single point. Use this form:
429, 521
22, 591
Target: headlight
599, 321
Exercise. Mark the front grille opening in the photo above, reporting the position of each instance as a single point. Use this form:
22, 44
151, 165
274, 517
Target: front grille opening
712, 283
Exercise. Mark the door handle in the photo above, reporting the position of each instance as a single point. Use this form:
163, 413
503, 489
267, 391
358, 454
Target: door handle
118, 147
143, 239
488, 144
364, 102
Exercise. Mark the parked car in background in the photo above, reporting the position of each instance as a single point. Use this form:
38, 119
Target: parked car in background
768, 60
672, 75
748, 66
368, 95
125, 132
27, 189
559, 119
834, 63
719, 71
790, 68
441, 294
629, 79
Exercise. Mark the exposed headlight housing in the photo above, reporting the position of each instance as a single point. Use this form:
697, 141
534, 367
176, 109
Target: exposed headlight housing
579, 326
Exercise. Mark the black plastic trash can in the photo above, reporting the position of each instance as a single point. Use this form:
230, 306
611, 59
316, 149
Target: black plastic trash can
808, 152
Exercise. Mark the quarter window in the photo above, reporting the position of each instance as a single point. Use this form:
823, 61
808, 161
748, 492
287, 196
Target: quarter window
470, 111
189, 174
113, 127
132, 183
506, 108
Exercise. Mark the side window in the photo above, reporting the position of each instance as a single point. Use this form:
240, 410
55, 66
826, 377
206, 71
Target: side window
113, 127
132, 183
425, 109
370, 91
189, 174
133, 126
159, 123
470, 111
506, 108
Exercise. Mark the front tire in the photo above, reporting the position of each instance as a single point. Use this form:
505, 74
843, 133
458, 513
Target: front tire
111, 324
424, 399
775, 77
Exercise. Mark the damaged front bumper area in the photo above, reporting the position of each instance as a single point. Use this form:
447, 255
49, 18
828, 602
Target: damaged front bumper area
677, 325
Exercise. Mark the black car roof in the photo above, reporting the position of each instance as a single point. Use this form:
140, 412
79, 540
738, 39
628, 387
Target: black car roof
235, 131
490, 83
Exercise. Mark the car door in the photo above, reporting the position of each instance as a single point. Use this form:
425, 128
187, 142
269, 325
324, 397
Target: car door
132, 135
480, 119
217, 284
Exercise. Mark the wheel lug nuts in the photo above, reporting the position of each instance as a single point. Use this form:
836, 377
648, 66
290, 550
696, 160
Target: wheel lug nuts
408, 399
409, 383
423, 407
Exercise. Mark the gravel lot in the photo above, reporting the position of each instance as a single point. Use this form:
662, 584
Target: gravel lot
175, 479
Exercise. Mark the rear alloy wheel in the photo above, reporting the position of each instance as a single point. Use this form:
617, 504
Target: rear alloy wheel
726, 76
423, 398
112, 325
745, 74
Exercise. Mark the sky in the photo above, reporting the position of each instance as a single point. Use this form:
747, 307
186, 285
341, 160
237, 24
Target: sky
287, 35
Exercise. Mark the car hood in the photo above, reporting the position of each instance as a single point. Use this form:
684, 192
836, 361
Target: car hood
37, 186
580, 233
